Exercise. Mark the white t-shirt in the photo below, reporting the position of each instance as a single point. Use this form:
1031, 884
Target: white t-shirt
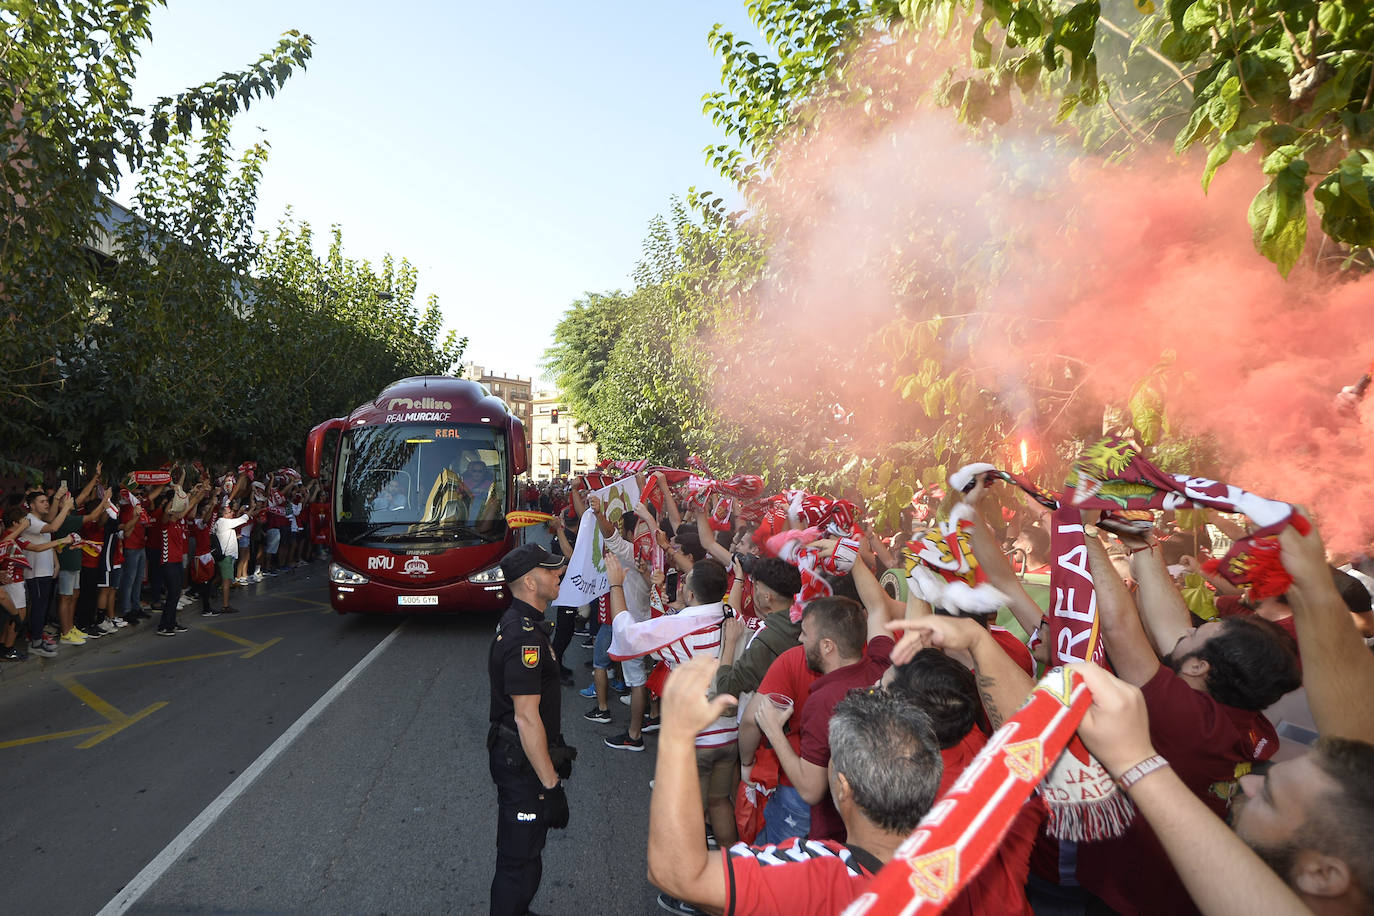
636, 589
228, 538
40, 561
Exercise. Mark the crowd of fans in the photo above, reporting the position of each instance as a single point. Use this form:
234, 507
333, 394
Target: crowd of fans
80, 566
805, 729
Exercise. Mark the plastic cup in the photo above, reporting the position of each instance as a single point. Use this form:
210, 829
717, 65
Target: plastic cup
781, 701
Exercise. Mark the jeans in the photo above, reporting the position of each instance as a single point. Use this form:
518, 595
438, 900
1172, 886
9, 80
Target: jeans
786, 815
38, 593
131, 581
171, 581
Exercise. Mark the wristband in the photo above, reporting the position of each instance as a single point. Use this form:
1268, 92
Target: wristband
617, 585
1135, 550
1140, 771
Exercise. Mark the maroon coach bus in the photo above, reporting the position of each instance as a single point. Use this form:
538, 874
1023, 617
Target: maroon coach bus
423, 478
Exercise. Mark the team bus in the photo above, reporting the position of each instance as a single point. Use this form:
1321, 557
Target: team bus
423, 478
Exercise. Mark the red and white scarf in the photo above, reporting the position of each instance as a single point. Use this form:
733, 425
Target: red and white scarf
966, 825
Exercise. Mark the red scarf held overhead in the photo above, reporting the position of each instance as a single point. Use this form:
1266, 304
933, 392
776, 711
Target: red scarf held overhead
965, 825
1112, 475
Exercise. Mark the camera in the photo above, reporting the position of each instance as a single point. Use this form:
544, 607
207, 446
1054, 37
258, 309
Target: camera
746, 562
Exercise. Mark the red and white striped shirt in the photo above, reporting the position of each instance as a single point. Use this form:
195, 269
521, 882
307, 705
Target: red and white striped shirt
674, 638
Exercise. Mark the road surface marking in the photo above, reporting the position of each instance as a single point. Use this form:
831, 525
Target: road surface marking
183, 841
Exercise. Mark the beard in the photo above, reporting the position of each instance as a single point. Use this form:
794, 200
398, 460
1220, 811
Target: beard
813, 661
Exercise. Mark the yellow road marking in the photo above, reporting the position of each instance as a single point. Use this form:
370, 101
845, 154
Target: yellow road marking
163, 661
253, 647
115, 727
84, 694
117, 721
19, 742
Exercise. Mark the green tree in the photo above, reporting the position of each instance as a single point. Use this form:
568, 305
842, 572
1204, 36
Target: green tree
68, 127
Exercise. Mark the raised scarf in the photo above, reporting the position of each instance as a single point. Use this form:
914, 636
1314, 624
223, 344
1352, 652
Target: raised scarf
965, 826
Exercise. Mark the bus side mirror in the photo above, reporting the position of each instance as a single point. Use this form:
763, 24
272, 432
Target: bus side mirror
314, 445
519, 458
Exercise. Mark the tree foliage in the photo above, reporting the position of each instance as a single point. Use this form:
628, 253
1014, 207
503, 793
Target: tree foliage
195, 338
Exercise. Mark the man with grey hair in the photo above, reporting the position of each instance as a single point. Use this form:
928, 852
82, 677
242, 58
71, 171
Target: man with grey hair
884, 772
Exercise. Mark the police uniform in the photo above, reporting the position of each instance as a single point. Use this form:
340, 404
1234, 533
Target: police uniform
521, 663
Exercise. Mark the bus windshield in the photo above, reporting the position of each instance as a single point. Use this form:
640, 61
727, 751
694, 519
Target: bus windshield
421, 482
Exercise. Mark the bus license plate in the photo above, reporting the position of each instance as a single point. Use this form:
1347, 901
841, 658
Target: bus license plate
417, 599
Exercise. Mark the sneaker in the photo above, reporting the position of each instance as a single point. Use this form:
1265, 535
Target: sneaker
589, 643
597, 715
10, 655
674, 905
623, 742
619, 686
109, 626
589, 691
49, 641
210, 613
93, 631
180, 629
227, 609
162, 632
185, 602
651, 724
73, 637
241, 580
625, 699
120, 623
38, 647
256, 577
271, 573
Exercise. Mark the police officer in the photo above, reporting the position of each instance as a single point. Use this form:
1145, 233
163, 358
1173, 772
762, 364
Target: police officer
526, 751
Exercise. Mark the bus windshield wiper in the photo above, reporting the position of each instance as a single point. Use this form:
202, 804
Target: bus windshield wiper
441, 527
369, 530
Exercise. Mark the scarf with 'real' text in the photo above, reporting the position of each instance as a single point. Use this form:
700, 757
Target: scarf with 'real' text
965, 826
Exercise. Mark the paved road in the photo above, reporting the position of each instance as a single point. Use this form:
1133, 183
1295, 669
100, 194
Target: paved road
380, 804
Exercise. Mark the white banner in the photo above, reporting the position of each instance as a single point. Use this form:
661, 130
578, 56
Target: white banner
585, 579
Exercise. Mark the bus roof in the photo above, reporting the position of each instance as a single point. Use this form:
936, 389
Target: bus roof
433, 399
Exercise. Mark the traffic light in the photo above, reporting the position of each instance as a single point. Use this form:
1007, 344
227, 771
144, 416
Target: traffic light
554, 416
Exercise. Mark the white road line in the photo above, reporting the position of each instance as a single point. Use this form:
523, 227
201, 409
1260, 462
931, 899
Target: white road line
164, 860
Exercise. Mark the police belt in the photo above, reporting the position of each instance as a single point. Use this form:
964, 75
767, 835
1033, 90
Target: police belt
502, 734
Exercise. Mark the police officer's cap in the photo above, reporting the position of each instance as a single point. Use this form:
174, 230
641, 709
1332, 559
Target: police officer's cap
527, 557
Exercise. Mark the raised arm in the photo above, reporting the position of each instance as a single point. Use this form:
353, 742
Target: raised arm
1337, 668
881, 608
998, 568
1132, 656
669, 501
1223, 875
1002, 684
708, 540
1162, 608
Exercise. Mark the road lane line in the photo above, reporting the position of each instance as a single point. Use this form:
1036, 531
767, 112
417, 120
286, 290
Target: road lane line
164, 860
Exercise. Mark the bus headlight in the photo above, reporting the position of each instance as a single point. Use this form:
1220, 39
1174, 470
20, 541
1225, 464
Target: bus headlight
492, 576
342, 576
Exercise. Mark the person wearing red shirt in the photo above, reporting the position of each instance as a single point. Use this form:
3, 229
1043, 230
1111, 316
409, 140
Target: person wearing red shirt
847, 651
133, 521
877, 737
948, 693
1204, 699
787, 814
171, 536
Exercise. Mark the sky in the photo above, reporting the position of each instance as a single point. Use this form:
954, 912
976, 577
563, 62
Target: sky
515, 153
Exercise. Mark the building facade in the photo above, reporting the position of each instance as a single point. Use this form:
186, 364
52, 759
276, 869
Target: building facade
559, 442
515, 390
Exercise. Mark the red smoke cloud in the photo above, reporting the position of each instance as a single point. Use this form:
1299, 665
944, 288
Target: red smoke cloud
1108, 264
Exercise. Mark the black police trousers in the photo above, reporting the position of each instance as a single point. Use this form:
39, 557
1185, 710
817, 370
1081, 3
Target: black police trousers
521, 826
